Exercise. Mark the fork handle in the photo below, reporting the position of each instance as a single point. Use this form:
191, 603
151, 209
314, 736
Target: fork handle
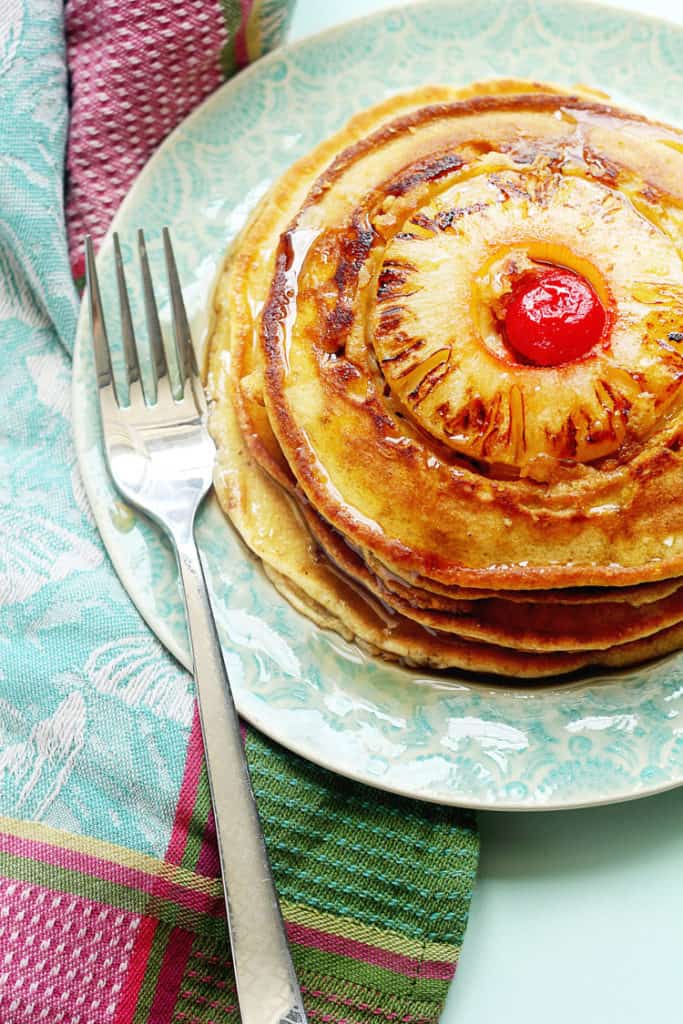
267, 989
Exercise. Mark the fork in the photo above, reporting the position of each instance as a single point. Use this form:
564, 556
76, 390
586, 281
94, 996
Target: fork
160, 456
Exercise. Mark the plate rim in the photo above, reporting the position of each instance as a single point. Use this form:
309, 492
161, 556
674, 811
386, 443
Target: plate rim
80, 421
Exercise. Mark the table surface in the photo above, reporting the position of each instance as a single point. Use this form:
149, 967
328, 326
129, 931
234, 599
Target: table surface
577, 915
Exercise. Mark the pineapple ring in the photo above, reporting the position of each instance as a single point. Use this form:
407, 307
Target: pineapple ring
438, 340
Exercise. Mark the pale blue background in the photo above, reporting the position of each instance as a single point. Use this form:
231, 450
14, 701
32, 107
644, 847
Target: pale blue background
577, 916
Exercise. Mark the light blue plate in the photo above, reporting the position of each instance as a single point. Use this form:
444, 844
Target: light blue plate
479, 744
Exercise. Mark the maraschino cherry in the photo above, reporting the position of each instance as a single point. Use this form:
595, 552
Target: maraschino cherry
553, 316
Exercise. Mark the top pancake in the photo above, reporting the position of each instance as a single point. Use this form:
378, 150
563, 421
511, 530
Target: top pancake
384, 386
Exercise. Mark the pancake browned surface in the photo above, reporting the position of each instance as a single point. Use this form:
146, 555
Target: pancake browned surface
405, 478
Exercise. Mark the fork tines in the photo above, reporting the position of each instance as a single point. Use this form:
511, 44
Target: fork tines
176, 353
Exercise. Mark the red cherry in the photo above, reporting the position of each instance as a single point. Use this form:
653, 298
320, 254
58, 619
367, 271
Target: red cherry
553, 316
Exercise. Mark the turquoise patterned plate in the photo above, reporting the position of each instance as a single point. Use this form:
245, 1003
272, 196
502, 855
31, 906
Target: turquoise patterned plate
455, 740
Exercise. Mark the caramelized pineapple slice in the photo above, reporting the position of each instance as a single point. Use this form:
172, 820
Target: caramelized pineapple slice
437, 322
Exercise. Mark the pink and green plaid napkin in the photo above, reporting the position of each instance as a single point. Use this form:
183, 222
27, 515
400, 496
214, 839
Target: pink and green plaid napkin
110, 906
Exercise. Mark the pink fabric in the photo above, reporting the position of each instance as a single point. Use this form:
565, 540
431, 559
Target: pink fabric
62, 957
188, 793
170, 978
95, 867
137, 68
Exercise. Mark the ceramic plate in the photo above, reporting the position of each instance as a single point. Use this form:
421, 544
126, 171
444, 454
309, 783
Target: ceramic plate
460, 740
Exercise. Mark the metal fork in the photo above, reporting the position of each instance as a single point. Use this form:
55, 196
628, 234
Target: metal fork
161, 458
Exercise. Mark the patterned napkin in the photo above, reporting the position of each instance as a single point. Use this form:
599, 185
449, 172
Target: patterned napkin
110, 902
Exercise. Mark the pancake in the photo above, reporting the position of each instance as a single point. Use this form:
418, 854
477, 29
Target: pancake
439, 595
349, 450
483, 659
426, 593
405, 477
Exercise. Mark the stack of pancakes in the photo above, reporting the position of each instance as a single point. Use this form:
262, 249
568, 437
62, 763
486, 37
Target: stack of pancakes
403, 477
